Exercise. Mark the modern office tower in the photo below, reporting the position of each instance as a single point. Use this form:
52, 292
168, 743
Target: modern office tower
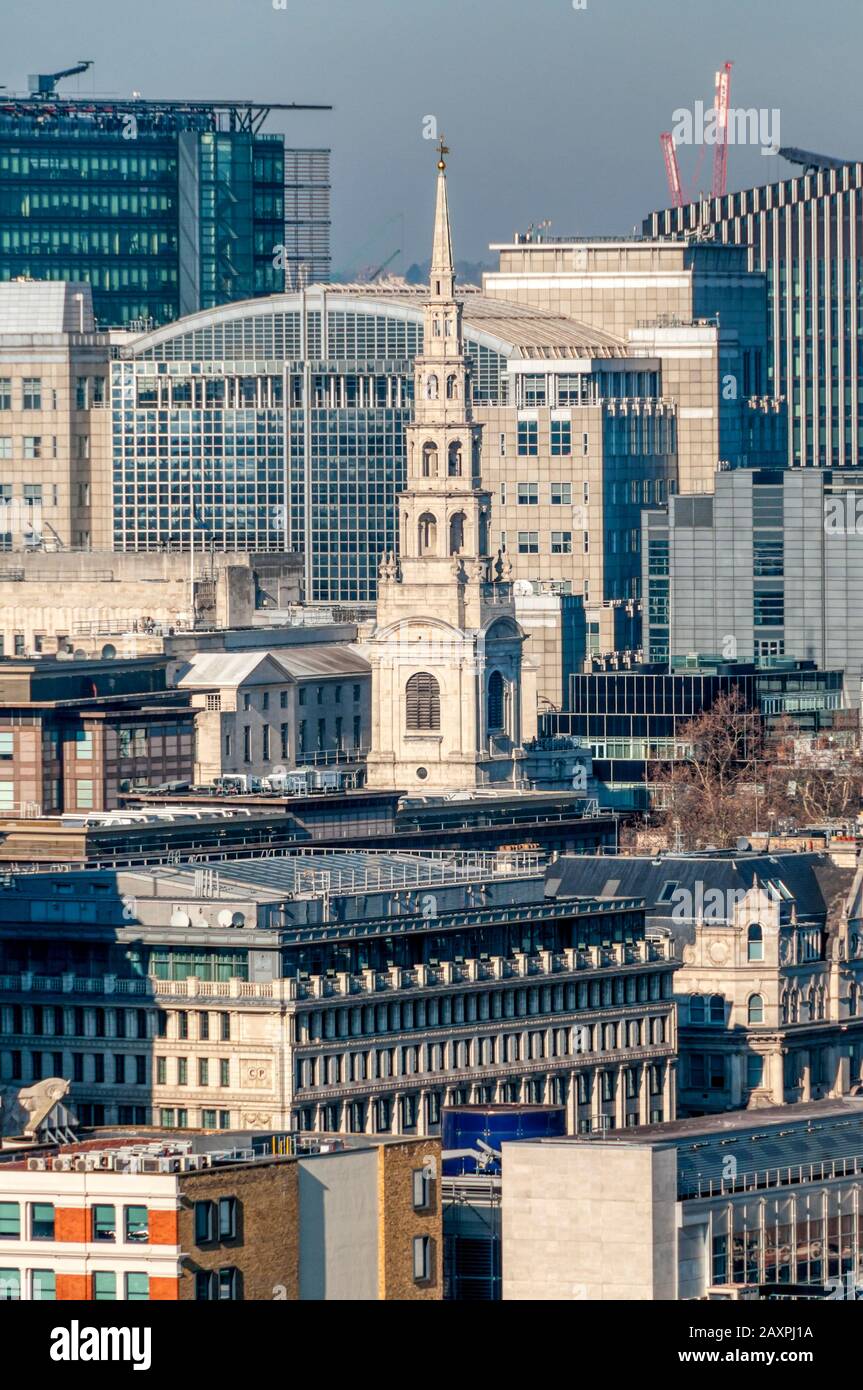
307, 218
694, 310
54, 420
771, 566
341, 991
163, 207
806, 234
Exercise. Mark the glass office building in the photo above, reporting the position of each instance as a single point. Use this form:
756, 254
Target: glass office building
281, 426
164, 208
806, 233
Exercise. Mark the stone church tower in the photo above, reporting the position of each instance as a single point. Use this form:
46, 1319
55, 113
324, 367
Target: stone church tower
449, 709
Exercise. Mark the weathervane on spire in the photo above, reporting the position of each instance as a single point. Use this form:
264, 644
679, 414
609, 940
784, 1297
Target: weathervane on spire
442, 149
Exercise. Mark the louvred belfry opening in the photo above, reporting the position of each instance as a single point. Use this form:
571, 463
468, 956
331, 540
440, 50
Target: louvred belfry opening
423, 701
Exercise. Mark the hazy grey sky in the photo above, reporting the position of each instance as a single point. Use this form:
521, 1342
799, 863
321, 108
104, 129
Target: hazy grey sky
551, 112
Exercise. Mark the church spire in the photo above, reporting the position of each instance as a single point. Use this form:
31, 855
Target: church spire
442, 276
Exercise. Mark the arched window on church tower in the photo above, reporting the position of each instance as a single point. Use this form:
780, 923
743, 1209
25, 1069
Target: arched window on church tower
427, 534
496, 701
429, 460
454, 459
452, 387
456, 533
422, 700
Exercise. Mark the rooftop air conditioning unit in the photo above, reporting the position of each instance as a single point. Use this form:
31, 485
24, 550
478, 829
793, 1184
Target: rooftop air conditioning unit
77, 1165
36, 1165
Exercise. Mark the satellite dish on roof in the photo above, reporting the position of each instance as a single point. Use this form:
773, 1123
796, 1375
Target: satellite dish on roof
180, 918
522, 586
743, 845
225, 917
79, 654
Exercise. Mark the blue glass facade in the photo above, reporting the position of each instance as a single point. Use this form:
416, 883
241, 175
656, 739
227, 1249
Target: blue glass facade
162, 212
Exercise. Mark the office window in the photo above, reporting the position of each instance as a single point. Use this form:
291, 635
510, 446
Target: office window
104, 1286
357, 690
208, 1119
5, 447
422, 1259
10, 1285
301, 695
229, 1283
161, 1071
755, 942
247, 701
528, 437
84, 793
247, 743
182, 1071
224, 1119
561, 542
43, 1283
224, 1071
182, 1119
754, 1071
561, 494
32, 446
301, 735
31, 393
5, 393
203, 1026
322, 732
203, 1071
225, 1026
265, 700
205, 1223
182, 1024
135, 1222
42, 1221
528, 542
227, 1218
137, 1288
206, 1286
283, 740
10, 1221
320, 694
561, 437
755, 1009
265, 743
422, 1189
528, 494
104, 1223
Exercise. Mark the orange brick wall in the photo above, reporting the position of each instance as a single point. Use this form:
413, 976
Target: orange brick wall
164, 1228
164, 1290
73, 1287
71, 1224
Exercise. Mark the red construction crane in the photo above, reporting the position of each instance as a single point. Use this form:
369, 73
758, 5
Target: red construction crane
720, 151
672, 169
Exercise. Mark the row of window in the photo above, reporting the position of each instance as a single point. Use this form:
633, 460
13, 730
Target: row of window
41, 1285
47, 1020
493, 1049
39, 1222
478, 1005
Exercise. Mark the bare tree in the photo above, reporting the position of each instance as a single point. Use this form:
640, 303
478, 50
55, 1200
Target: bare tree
710, 795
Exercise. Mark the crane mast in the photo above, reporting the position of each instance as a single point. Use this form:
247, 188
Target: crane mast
720, 152
672, 169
